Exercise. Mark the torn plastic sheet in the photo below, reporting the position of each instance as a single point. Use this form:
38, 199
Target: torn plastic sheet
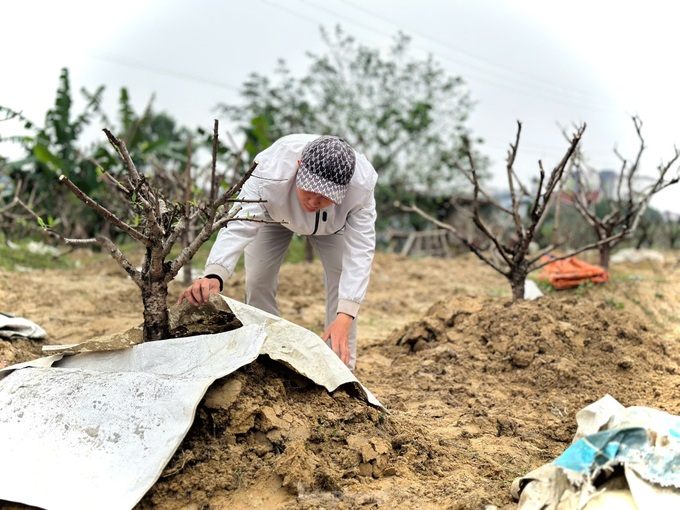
18, 327
531, 290
95, 430
111, 420
301, 349
620, 458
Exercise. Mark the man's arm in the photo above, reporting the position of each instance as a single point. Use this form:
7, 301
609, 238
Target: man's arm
359, 239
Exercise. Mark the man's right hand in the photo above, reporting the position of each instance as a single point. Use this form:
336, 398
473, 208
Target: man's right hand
199, 292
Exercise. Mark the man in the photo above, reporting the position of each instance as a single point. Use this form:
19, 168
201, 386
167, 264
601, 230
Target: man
317, 186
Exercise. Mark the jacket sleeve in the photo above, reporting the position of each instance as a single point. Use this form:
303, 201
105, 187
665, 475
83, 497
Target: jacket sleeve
358, 257
236, 235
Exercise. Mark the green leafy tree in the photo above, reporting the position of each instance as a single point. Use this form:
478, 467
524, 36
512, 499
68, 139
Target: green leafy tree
406, 114
51, 150
272, 108
57, 148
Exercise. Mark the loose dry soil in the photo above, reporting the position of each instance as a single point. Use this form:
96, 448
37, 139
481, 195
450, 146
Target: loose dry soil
478, 390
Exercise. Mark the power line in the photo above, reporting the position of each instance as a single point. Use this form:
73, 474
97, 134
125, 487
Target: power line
484, 77
113, 59
514, 72
506, 85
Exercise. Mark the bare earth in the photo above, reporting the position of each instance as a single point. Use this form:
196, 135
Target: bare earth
478, 390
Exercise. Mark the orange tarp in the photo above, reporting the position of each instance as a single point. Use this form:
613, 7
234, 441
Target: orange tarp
572, 272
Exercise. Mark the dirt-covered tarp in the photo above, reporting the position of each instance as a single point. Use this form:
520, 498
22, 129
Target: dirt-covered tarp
112, 419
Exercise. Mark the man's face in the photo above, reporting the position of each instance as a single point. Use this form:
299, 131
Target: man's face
312, 202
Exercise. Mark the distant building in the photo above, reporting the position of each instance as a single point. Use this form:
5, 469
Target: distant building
572, 187
608, 182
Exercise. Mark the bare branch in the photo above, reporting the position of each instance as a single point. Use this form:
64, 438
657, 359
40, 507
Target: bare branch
512, 155
106, 175
108, 215
514, 262
628, 206
452, 229
164, 219
226, 197
119, 257
476, 218
119, 145
213, 170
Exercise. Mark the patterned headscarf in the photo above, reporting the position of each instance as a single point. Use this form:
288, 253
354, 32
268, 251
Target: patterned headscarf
326, 167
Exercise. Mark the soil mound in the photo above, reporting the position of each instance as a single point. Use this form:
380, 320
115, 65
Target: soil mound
478, 390
548, 349
486, 367
266, 420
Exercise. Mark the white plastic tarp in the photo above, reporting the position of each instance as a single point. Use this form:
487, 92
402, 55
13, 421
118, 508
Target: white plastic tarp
300, 349
14, 327
96, 430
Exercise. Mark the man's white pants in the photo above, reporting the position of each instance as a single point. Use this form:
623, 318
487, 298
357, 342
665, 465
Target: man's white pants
263, 258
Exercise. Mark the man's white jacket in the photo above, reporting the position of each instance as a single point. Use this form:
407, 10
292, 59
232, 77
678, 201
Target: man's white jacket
273, 182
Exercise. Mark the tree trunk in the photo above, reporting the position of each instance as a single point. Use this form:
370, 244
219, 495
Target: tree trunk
517, 281
605, 252
156, 318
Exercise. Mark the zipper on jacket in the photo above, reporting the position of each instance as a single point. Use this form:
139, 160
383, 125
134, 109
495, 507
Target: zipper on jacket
324, 218
316, 222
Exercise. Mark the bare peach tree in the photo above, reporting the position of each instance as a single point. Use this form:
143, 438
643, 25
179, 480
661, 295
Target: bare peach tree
178, 184
509, 252
626, 204
157, 225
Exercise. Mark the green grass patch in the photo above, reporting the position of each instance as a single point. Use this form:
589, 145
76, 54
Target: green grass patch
24, 255
543, 284
625, 278
614, 303
583, 288
27, 254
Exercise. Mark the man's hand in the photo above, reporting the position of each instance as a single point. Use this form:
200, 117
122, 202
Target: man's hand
200, 290
338, 333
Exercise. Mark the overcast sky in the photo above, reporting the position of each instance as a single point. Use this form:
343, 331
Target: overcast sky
548, 64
